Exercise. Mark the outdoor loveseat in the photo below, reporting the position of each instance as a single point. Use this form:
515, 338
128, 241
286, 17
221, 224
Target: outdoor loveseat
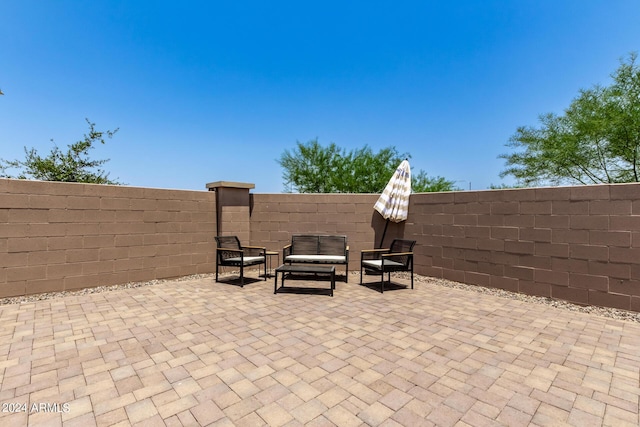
318, 249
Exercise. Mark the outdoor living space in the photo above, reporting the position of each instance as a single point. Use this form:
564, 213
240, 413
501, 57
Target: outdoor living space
191, 351
187, 350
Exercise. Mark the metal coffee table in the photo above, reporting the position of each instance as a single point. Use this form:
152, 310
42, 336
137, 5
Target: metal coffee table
287, 269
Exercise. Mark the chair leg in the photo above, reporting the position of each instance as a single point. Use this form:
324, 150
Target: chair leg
216, 271
265, 268
241, 275
361, 274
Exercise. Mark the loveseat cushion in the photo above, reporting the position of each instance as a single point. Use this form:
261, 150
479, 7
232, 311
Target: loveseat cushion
336, 259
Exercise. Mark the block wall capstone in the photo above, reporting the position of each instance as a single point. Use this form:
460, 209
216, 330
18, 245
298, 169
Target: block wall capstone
65, 236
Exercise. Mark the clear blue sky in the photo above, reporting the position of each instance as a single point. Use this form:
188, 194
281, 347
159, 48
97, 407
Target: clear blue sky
207, 91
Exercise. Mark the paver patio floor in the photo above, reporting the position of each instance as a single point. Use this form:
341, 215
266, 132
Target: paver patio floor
195, 352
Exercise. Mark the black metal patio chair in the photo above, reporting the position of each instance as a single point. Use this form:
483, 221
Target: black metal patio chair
230, 253
398, 257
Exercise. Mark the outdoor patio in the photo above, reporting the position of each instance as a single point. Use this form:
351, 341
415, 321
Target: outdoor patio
195, 352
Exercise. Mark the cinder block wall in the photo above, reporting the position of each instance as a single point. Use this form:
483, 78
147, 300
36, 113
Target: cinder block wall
580, 244
62, 236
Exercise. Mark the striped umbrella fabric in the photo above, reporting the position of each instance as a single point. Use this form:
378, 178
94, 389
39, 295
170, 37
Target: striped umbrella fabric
393, 203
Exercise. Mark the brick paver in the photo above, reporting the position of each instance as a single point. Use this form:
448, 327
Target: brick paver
196, 352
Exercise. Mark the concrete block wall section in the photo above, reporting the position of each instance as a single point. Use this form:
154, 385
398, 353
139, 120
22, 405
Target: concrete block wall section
233, 206
62, 236
235, 222
580, 244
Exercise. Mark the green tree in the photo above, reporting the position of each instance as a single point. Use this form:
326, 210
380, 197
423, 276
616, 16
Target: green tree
597, 140
312, 168
503, 186
72, 166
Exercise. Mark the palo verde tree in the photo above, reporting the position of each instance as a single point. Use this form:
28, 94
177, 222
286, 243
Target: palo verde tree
74, 165
313, 168
596, 140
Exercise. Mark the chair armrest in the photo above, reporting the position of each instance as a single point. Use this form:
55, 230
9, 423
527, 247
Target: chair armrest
252, 250
403, 257
371, 254
286, 251
261, 249
397, 254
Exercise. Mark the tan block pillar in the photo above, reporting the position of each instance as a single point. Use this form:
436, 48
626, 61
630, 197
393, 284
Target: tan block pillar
232, 209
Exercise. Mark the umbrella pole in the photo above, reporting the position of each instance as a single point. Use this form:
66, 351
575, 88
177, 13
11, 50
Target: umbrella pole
386, 224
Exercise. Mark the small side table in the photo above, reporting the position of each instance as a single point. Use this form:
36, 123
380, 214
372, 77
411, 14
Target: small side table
271, 254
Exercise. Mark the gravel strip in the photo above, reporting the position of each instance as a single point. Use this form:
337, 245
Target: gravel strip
96, 290
600, 311
613, 313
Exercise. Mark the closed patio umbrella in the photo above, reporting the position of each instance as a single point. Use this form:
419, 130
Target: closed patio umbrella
393, 203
